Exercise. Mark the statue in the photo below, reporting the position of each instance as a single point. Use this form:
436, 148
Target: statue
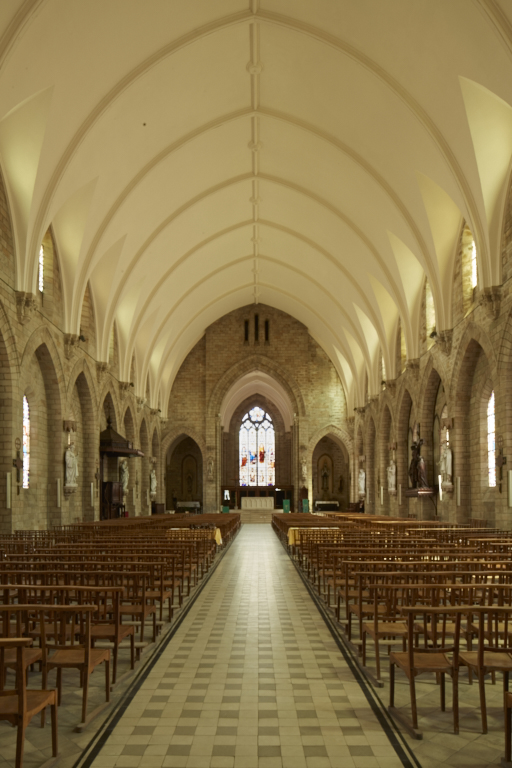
422, 473
362, 482
304, 469
325, 477
209, 468
418, 467
71, 461
445, 464
124, 473
152, 481
392, 476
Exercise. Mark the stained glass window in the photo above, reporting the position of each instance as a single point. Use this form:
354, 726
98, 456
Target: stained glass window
26, 442
41, 269
257, 449
474, 267
491, 441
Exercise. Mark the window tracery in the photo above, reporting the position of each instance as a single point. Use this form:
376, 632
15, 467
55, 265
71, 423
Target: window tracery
257, 449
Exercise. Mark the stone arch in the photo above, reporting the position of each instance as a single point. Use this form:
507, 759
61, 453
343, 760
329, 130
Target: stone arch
473, 333
431, 383
42, 336
345, 443
108, 408
258, 363
129, 424
476, 377
81, 367
109, 392
231, 442
40, 382
184, 471
177, 433
81, 410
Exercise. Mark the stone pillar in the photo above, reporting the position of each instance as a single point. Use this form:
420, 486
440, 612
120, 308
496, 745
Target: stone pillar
212, 466
300, 441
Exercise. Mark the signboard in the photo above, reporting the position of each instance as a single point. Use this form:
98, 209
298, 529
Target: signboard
286, 505
305, 505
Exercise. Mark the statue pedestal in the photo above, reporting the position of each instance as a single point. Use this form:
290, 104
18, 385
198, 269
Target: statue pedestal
69, 489
392, 493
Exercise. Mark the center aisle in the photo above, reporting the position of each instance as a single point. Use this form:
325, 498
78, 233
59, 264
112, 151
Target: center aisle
251, 679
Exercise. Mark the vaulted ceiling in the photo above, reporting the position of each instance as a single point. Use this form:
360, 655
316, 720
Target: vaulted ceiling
194, 156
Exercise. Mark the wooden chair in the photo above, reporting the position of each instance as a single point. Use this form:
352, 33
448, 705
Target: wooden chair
494, 651
19, 705
72, 649
432, 657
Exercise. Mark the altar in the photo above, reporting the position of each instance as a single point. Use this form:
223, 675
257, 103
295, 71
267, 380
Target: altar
258, 502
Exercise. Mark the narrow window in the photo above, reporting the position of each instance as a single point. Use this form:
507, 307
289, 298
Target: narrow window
266, 330
256, 328
474, 267
26, 443
41, 269
491, 441
246, 331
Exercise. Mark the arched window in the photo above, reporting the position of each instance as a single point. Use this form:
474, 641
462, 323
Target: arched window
430, 314
491, 441
474, 267
41, 269
257, 449
26, 442
469, 268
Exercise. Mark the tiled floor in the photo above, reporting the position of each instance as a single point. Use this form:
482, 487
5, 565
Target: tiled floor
252, 679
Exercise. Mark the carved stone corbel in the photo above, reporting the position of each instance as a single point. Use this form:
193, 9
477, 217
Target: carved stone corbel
361, 410
153, 411
101, 368
69, 425
350, 423
141, 402
70, 344
490, 300
444, 341
413, 365
25, 305
124, 387
391, 386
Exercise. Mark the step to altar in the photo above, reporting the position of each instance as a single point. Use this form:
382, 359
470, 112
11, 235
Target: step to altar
256, 516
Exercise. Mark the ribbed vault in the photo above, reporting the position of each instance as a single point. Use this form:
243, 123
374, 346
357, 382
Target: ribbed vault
318, 157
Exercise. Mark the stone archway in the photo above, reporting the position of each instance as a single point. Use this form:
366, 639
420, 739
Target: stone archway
184, 473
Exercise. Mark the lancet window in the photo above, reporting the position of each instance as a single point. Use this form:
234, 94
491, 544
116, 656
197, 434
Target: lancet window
26, 443
491, 441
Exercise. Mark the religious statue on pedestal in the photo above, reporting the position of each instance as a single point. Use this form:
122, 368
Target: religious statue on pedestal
71, 461
124, 476
362, 482
392, 476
